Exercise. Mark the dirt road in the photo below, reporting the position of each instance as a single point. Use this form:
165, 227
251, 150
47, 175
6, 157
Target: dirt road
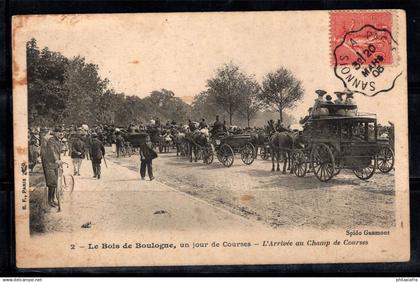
277, 200
187, 196
120, 201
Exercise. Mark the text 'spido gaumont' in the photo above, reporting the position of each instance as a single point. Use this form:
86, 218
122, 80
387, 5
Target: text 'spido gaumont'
367, 232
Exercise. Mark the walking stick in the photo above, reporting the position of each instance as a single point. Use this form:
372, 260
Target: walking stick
106, 165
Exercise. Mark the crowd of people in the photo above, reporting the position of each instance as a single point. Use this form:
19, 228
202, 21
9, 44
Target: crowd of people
82, 142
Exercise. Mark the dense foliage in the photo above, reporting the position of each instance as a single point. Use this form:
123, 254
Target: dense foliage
70, 91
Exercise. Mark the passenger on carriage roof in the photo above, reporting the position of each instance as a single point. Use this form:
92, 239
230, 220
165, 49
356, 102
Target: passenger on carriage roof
328, 100
349, 99
317, 109
339, 100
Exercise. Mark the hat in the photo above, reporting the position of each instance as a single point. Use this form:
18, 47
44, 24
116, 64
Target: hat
320, 92
348, 91
338, 93
349, 94
328, 97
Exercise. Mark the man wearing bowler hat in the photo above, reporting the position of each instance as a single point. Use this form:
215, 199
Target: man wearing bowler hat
51, 162
97, 152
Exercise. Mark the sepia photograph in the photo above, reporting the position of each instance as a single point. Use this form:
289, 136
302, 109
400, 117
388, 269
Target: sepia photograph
210, 138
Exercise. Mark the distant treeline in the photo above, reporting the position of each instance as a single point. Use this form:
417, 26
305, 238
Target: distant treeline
70, 91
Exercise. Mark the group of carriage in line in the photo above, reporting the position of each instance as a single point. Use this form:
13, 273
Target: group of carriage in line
325, 146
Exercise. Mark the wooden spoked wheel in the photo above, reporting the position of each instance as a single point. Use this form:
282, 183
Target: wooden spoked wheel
366, 172
248, 154
322, 160
299, 163
226, 155
208, 154
385, 159
264, 152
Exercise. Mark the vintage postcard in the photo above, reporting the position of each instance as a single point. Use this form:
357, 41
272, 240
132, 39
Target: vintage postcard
165, 139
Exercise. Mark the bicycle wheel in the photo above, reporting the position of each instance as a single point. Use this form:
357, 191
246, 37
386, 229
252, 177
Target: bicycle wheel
68, 184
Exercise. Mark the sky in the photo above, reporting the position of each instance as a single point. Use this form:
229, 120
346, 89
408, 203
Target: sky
140, 53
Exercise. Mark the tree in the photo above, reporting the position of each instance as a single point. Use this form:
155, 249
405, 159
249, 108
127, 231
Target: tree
70, 91
46, 94
84, 88
250, 105
281, 90
226, 88
205, 106
166, 106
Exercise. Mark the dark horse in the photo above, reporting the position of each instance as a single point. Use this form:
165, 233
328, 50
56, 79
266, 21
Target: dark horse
179, 140
282, 143
196, 141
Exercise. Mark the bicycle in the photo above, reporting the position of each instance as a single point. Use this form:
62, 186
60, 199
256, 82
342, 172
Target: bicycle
65, 184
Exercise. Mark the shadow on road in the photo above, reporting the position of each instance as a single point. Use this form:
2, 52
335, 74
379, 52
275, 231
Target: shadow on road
290, 181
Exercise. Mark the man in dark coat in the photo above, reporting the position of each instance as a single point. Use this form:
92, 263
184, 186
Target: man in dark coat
146, 156
77, 153
218, 127
51, 162
97, 152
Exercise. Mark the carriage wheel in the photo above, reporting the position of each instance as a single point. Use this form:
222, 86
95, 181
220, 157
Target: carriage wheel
337, 160
226, 155
322, 160
264, 152
366, 172
385, 159
248, 154
208, 154
299, 163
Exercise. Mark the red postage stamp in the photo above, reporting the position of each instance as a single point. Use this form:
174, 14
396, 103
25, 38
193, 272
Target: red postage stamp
363, 50
360, 37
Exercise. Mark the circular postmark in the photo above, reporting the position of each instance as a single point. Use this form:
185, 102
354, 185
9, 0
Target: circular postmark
364, 60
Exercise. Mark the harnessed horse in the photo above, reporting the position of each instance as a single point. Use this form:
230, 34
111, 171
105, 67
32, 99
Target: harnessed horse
282, 143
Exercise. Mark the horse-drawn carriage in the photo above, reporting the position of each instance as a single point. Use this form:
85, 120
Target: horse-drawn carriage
132, 141
226, 146
334, 142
